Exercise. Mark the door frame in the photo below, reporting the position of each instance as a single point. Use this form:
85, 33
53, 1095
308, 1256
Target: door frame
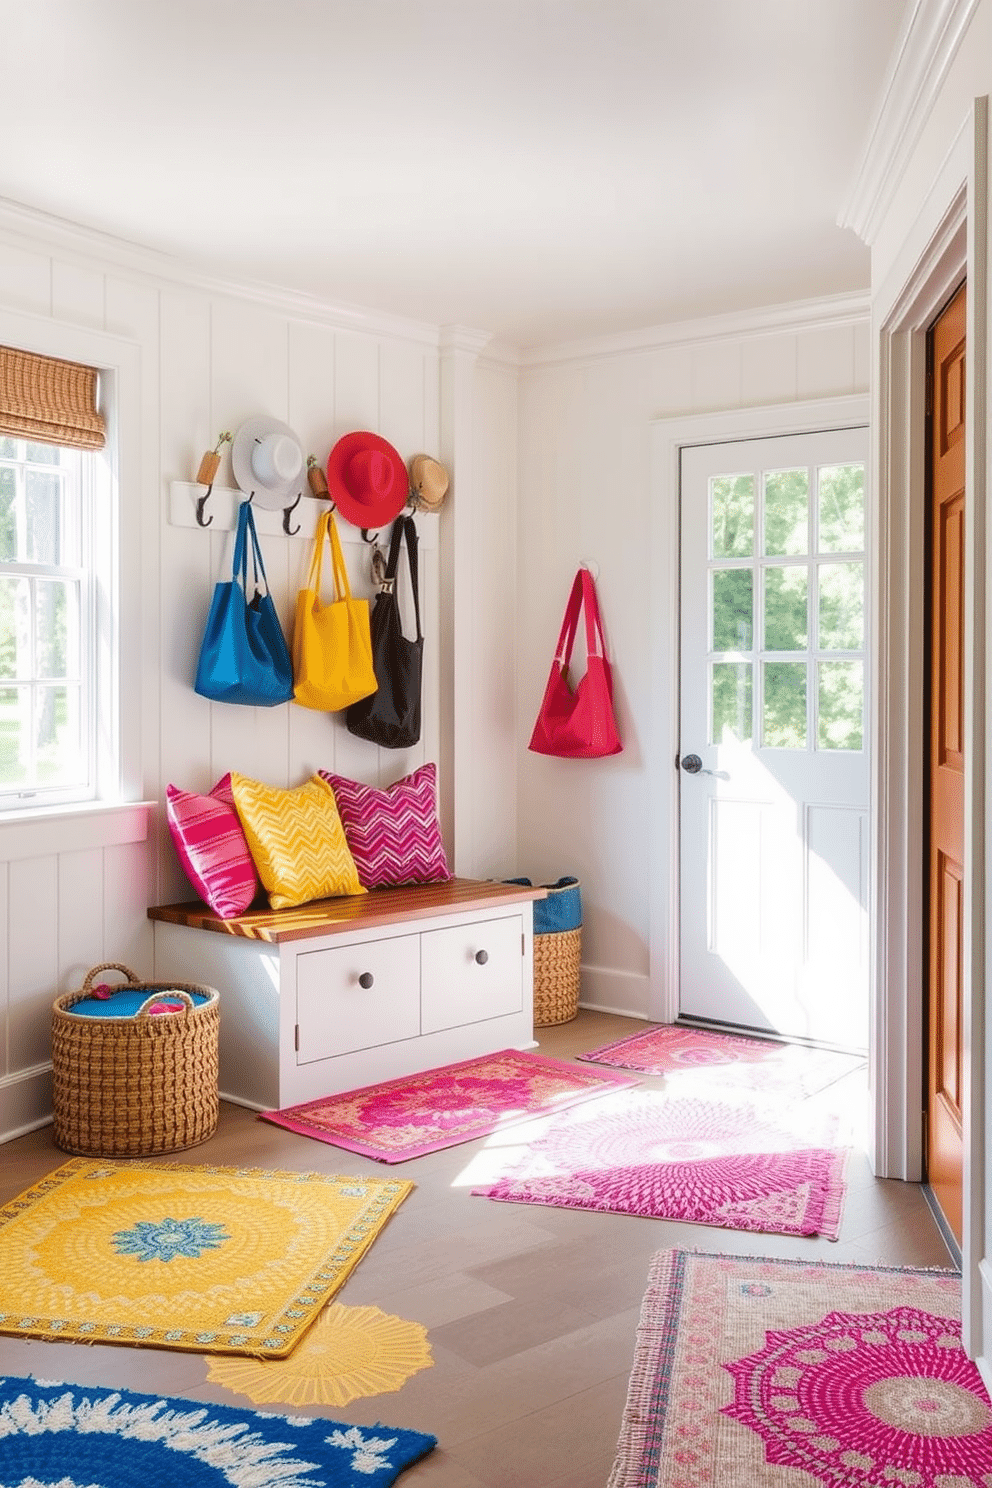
899, 463
949, 242
668, 438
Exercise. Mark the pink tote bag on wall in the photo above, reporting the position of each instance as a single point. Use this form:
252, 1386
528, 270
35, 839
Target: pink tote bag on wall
578, 722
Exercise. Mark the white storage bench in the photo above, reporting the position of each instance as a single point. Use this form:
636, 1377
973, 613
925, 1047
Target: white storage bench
346, 992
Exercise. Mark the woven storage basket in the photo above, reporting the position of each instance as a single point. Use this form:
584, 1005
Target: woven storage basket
557, 960
136, 1086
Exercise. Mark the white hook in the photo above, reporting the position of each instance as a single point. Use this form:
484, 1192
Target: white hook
591, 565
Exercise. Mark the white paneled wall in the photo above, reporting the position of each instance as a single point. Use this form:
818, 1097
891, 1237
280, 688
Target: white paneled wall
209, 358
586, 493
73, 894
550, 464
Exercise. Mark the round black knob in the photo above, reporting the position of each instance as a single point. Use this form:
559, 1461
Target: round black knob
692, 764
482, 957
366, 979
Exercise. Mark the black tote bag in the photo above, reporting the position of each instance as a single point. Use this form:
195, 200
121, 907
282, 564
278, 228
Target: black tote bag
391, 716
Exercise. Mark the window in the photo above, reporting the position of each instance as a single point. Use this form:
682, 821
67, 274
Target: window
57, 596
47, 642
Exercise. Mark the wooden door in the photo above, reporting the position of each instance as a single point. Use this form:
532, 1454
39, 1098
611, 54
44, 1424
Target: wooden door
945, 899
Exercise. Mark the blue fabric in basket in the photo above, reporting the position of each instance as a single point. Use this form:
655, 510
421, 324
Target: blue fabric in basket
125, 1004
561, 910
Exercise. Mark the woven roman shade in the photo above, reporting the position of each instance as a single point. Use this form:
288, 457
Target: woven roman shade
50, 401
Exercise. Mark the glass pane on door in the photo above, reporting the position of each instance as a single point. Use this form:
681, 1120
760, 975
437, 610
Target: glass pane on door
842, 606
733, 606
841, 508
840, 704
784, 705
786, 513
731, 694
732, 506
786, 626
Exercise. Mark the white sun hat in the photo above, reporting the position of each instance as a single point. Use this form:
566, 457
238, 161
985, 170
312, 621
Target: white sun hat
268, 463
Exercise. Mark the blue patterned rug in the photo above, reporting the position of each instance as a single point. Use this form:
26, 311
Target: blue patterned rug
86, 1436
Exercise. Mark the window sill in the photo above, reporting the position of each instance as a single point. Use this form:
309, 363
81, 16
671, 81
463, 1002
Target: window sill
39, 832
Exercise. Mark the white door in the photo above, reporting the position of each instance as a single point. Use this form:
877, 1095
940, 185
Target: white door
774, 736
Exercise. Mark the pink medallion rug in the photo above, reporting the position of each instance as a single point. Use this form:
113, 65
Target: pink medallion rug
739, 1165
780, 1373
406, 1118
754, 1063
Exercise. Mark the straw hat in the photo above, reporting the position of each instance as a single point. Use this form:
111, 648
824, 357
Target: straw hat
367, 479
267, 462
428, 483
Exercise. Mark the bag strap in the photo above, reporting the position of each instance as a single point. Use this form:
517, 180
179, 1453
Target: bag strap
239, 566
392, 562
404, 526
594, 625
342, 589
258, 566
566, 639
412, 543
246, 533
317, 553
327, 527
582, 597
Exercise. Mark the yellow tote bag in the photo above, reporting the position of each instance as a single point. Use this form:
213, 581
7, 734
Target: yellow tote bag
332, 644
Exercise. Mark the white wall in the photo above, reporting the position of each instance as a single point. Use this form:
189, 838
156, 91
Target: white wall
586, 493
550, 464
210, 356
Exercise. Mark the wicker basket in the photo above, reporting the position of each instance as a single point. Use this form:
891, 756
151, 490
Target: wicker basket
557, 959
136, 1086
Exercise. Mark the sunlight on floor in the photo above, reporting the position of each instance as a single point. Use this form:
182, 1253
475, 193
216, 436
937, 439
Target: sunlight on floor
693, 1096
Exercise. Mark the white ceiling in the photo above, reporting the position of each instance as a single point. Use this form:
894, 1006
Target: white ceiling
540, 169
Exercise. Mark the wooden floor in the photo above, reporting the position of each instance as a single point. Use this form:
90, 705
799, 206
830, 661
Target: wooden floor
531, 1311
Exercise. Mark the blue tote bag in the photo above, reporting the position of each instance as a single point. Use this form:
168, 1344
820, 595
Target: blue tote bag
244, 657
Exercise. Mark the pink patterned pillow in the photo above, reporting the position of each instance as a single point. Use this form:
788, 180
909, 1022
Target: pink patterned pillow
394, 834
211, 846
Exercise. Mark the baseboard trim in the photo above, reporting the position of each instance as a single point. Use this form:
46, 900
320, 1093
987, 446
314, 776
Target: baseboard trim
608, 990
946, 1233
25, 1101
620, 1012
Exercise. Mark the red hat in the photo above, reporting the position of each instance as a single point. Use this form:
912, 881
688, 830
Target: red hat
367, 479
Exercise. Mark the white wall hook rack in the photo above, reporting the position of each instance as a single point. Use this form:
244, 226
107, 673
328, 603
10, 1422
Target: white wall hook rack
223, 502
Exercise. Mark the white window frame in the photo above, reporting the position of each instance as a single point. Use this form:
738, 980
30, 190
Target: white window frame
79, 478
116, 536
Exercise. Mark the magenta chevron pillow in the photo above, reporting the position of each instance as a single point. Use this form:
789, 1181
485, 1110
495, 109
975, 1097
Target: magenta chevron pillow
211, 846
394, 834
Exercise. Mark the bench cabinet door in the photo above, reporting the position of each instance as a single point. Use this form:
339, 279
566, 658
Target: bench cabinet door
358, 996
470, 973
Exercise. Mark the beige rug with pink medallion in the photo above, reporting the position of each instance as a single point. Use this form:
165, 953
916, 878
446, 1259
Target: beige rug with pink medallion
775, 1374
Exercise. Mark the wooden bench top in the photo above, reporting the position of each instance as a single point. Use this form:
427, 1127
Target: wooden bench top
354, 912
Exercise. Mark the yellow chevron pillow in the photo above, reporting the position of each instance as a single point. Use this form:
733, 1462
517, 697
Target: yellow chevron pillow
297, 841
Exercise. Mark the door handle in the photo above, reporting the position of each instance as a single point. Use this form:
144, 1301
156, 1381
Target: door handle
693, 765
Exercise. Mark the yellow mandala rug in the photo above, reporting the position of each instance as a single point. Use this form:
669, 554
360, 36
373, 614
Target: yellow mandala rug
221, 1260
349, 1352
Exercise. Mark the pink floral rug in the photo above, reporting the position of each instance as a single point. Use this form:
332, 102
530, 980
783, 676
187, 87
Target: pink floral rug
756, 1371
421, 1113
754, 1063
740, 1165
